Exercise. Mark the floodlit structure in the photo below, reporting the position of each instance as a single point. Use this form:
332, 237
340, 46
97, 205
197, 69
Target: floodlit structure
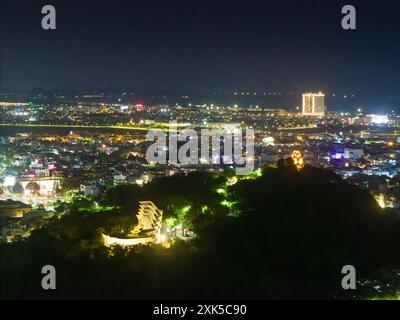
148, 229
313, 104
46, 185
298, 160
32, 184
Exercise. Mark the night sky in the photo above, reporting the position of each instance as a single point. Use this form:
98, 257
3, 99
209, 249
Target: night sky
202, 46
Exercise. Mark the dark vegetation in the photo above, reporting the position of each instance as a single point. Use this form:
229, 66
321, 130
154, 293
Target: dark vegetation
286, 234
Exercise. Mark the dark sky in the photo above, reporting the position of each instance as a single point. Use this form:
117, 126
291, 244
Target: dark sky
201, 46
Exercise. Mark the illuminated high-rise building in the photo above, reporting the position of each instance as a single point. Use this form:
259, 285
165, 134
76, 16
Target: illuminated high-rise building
313, 104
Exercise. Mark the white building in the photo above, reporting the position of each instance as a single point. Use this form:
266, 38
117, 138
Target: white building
313, 104
353, 154
148, 229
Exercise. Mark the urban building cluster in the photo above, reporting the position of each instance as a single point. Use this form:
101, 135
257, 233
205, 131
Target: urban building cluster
48, 151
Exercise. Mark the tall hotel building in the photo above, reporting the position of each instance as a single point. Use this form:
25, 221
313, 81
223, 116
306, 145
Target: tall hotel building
313, 104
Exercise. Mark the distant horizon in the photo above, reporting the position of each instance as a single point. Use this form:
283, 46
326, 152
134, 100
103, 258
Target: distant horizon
372, 103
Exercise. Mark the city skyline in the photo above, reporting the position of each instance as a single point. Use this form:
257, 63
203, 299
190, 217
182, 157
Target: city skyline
335, 102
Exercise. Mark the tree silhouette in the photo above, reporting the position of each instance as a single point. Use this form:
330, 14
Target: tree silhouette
291, 234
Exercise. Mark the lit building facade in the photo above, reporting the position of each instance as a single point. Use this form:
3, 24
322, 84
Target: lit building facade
313, 104
148, 229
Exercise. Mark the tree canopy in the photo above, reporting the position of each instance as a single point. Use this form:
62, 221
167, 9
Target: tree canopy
285, 233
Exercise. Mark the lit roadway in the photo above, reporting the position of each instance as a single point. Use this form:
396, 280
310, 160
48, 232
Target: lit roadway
139, 128
313, 126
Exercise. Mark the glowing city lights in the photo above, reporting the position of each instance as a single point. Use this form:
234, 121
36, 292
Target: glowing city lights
297, 159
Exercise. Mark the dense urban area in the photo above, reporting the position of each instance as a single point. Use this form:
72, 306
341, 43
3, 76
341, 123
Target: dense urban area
73, 169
